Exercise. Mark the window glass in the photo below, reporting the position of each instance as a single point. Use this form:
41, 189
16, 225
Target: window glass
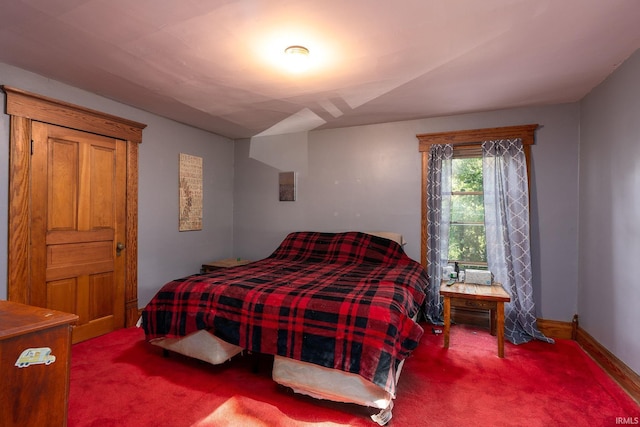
467, 174
467, 240
467, 208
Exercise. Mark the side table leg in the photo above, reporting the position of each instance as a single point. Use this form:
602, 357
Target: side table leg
447, 320
492, 321
500, 328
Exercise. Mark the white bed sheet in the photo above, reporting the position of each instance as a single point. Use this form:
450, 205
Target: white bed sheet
330, 384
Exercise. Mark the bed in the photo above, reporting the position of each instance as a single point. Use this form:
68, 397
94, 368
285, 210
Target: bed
336, 310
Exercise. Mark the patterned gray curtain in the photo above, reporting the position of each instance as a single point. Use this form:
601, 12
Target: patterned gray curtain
438, 218
506, 201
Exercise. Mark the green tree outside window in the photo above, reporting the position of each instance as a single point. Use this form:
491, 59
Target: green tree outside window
467, 239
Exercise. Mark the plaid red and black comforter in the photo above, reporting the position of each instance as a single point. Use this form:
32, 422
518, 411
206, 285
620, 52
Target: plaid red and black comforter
339, 300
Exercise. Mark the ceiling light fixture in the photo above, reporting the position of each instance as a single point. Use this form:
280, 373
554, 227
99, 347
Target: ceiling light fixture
297, 50
297, 58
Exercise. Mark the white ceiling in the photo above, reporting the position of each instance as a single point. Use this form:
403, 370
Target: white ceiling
206, 62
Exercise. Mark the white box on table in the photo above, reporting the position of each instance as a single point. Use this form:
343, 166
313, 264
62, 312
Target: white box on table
479, 277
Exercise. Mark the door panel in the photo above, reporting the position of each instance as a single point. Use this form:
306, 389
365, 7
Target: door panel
61, 295
78, 204
62, 179
103, 182
74, 259
102, 298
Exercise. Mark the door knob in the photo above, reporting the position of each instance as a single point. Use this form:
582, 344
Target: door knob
119, 247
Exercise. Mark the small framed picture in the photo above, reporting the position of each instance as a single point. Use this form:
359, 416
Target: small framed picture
190, 192
287, 186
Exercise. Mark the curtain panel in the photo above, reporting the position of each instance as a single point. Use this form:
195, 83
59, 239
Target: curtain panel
438, 209
506, 199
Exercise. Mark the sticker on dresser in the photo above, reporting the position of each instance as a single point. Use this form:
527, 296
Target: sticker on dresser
35, 356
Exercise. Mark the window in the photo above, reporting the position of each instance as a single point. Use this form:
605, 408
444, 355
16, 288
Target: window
452, 216
467, 144
467, 239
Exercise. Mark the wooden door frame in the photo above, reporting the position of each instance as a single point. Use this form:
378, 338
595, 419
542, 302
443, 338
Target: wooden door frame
25, 107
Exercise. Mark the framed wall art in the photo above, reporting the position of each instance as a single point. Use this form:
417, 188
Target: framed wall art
287, 186
190, 192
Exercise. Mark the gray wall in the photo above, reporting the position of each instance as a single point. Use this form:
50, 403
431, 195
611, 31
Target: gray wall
368, 178
609, 293
164, 253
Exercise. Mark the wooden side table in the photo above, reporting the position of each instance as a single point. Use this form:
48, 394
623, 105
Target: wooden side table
35, 357
223, 263
477, 296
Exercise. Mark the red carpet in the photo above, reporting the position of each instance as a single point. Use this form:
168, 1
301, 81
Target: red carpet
120, 380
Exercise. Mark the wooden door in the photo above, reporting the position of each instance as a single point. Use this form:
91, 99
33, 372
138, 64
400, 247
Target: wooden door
78, 217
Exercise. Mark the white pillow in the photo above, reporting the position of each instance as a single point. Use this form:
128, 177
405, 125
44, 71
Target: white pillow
396, 237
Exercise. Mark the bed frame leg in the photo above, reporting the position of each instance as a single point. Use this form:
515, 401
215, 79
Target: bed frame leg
384, 416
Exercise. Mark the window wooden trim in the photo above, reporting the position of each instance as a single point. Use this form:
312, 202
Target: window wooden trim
25, 107
477, 136
466, 143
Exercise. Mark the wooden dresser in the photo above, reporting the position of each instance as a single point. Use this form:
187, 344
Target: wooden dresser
35, 357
